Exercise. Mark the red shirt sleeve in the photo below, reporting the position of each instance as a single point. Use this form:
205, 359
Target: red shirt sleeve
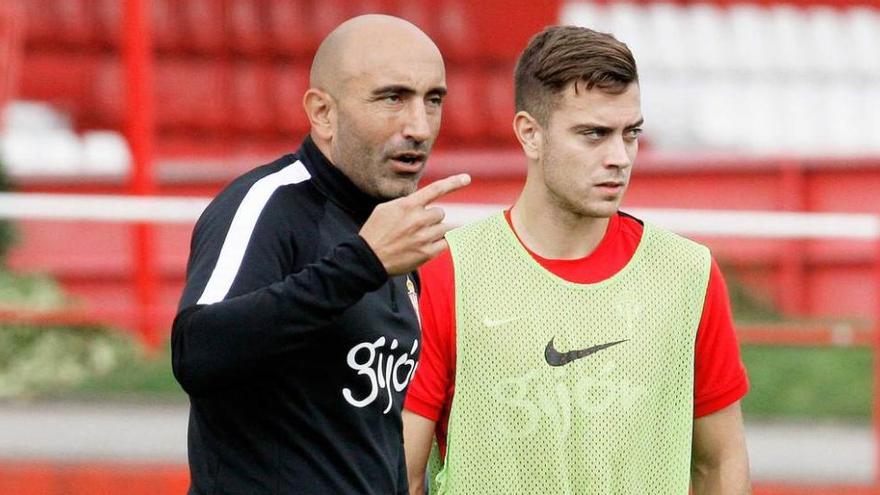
719, 375
430, 392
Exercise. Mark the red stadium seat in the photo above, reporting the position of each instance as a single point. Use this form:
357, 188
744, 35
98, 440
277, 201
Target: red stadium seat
108, 20
202, 21
360, 7
298, 26
421, 14
108, 94
244, 26
251, 102
39, 25
291, 82
454, 32
75, 22
327, 14
190, 94
63, 79
464, 117
11, 49
290, 28
59, 22
489, 30
498, 84
167, 29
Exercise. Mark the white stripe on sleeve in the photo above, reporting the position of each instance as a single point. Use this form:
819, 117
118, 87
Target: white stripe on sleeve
236, 242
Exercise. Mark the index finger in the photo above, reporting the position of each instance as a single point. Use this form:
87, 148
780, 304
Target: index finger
440, 188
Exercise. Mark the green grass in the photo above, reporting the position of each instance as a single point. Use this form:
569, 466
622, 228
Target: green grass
800, 382
808, 383
149, 377
37, 361
78, 361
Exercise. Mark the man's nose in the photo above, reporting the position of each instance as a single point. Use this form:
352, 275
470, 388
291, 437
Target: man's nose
417, 126
618, 155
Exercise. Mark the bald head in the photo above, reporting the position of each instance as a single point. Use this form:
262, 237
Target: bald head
366, 44
375, 101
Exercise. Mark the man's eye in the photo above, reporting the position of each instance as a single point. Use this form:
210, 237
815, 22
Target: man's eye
435, 100
634, 133
594, 134
392, 98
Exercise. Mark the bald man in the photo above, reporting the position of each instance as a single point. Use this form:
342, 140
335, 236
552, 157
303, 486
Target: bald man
297, 334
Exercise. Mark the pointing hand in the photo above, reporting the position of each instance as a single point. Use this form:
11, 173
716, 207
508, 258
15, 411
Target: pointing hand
406, 232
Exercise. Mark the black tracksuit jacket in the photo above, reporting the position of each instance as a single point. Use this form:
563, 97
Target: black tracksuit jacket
291, 340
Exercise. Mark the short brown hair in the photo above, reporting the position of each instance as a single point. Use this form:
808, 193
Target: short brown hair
560, 55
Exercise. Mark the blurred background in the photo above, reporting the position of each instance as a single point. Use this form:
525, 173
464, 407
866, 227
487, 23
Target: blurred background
120, 118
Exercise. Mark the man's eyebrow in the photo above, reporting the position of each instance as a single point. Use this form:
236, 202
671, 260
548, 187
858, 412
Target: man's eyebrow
439, 91
638, 123
393, 89
405, 90
589, 126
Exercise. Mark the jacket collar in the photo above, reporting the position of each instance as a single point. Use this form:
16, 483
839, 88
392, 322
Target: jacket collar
331, 181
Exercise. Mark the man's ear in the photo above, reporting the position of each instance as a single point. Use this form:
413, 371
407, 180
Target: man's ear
529, 133
321, 111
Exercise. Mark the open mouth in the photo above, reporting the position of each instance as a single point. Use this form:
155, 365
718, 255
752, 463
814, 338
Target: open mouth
409, 161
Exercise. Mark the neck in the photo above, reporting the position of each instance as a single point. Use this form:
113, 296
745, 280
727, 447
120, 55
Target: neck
552, 231
324, 147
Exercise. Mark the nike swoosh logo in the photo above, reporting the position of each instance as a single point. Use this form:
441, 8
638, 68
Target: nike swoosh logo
489, 322
556, 358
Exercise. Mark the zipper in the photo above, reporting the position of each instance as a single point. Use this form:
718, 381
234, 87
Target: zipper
391, 291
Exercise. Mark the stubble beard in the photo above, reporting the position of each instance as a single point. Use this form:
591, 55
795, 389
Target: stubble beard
369, 169
573, 209
569, 205
360, 163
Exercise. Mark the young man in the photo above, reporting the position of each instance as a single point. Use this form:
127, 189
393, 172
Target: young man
297, 334
587, 351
